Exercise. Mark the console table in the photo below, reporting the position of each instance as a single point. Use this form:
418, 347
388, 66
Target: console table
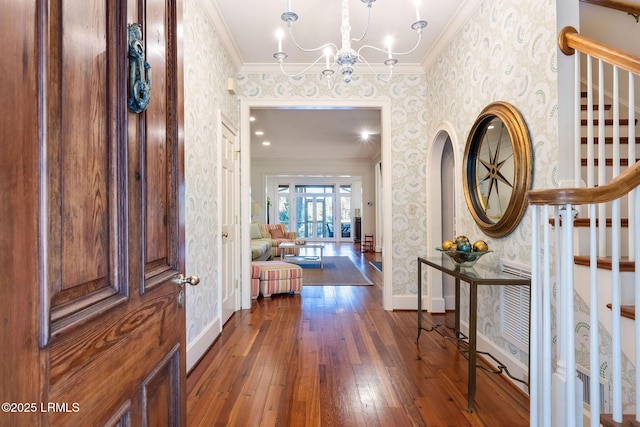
474, 276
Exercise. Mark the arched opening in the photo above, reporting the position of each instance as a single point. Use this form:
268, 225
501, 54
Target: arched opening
441, 213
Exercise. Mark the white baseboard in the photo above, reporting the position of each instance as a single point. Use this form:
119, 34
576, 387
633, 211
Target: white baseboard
199, 346
450, 302
437, 305
408, 302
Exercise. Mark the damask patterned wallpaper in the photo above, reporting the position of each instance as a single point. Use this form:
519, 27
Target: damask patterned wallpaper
206, 69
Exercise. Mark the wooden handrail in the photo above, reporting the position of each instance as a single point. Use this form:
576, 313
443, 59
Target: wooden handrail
623, 6
569, 41
614, 189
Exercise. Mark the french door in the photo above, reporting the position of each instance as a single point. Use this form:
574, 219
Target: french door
314, 215
320, 211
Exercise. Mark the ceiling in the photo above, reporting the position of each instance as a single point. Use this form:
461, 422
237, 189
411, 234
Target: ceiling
322, 134
249, 29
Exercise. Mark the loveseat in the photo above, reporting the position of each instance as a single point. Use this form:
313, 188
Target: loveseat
265, 239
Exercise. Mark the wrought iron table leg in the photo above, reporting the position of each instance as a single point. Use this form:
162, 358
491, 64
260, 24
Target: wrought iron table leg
473, 318
419, 301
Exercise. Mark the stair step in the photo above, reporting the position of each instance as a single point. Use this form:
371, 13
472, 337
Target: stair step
628, 311
596, 107
609, 140
606, 263
608, 162
606, 420
586, 222
608, 122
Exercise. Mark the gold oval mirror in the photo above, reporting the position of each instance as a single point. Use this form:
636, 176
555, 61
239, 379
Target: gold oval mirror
497, 169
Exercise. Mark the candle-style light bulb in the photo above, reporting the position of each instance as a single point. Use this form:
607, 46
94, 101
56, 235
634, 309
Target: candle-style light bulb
417, 10
288, 5
389, 42
279, 36
327, 53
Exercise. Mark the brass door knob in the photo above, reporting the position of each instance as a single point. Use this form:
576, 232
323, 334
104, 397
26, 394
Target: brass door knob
225, 234
192, 280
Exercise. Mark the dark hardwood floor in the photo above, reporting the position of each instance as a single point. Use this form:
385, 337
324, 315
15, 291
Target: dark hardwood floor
332, 356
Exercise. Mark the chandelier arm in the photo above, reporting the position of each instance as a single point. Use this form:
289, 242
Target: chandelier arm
301, 72
366, 29
392, 53
378, 75
295, 42
413, 48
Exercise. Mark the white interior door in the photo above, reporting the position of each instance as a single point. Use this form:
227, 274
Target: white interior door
229, 295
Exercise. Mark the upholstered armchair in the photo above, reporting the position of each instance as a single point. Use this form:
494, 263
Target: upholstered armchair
278, 234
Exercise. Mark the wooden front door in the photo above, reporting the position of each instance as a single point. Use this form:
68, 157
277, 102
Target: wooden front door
107, 192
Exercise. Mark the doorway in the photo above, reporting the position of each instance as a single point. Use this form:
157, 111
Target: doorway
249, 186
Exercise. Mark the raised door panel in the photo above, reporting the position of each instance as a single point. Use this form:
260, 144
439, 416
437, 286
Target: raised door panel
160, 150
159, 391
85, 195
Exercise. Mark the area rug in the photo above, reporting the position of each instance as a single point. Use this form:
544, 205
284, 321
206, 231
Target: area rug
337, 271
377, 265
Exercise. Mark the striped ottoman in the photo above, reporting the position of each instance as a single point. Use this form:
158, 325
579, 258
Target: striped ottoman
275, 277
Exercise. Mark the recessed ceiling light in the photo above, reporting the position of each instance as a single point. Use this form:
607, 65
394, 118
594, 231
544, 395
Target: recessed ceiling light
364, 135
266, 143
252, 119
259, 133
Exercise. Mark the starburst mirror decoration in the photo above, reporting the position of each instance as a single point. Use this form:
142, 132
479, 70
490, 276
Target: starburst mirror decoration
498, 169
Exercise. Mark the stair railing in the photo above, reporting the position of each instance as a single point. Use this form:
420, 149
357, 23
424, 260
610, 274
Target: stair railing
623, 6
556, 392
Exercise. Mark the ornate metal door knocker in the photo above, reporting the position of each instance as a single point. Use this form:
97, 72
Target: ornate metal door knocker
139, 71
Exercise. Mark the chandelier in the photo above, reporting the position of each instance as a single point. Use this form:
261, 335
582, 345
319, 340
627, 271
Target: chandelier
343, 59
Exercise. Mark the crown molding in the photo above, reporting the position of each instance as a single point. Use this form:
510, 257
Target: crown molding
462, 15
224, 34
274, 68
